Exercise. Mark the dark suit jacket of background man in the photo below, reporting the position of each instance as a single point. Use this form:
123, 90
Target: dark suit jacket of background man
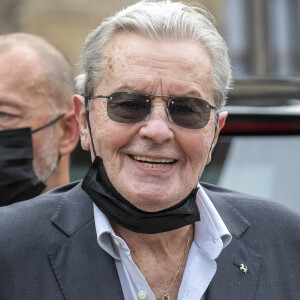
48, 250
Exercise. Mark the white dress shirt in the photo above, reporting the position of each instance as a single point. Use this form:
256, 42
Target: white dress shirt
211, 236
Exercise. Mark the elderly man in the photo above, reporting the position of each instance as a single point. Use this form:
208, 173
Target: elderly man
37, 126
140, 226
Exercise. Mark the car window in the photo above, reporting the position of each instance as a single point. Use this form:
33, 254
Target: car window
265, 166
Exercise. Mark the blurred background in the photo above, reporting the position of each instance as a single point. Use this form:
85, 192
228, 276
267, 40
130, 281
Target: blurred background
263, 35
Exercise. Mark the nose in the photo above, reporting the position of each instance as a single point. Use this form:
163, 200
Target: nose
157, 127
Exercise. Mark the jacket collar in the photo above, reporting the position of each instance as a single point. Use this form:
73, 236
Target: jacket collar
82, 269
74, 205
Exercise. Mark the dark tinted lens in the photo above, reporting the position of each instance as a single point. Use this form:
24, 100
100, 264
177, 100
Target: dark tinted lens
128, 107
189, 112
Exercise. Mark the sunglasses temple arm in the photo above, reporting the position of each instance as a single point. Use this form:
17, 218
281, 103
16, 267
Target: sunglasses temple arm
87, 111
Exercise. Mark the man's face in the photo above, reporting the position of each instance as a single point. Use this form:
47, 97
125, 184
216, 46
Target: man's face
138, 64
24, 103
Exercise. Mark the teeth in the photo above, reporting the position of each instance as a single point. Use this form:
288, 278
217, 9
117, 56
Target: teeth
153, 160
154, 165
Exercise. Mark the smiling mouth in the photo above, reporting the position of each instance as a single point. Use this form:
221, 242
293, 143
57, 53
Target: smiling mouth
153, 163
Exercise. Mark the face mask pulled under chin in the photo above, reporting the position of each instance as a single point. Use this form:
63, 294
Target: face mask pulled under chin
118, 209
17, 179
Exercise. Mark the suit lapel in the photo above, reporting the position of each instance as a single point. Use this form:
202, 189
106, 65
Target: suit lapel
83, 270
230, 282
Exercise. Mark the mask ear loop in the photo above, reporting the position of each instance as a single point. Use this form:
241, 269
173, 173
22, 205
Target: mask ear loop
216, 126
210, 149
87, 111
48, 124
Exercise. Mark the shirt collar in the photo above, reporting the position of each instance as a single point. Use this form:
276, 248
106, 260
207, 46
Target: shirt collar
211, 234
105, 233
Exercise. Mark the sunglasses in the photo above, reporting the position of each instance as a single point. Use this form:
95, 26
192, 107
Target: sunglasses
128, 107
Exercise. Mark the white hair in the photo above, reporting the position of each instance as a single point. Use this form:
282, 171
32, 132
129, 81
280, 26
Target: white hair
158, 20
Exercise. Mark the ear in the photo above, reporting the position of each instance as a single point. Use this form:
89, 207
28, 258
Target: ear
70, 134
220, 124
80, 114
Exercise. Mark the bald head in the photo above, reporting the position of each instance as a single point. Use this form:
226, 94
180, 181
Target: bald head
51, 69
36, 88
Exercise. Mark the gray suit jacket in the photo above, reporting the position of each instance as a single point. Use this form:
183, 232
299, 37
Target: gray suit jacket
48, 250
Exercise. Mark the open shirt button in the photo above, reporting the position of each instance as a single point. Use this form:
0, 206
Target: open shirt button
117, 243
142, 295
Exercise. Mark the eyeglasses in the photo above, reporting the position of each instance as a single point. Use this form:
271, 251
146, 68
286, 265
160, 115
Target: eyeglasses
128, 107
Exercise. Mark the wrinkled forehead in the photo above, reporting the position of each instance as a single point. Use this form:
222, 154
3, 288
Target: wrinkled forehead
131, 45
133, 57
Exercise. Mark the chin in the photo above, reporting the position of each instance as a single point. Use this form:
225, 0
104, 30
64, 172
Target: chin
150, 203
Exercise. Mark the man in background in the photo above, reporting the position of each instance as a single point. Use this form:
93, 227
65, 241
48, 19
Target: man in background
38, 129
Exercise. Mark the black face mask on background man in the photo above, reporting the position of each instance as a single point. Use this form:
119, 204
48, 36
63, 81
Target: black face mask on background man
18, 180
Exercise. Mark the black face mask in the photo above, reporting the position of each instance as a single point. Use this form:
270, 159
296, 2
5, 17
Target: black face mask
17, 178
116, 208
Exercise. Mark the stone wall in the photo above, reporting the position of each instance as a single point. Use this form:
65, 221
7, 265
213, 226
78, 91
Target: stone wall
65, 23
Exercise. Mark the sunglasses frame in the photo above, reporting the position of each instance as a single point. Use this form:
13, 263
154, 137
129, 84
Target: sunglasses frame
149, 98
